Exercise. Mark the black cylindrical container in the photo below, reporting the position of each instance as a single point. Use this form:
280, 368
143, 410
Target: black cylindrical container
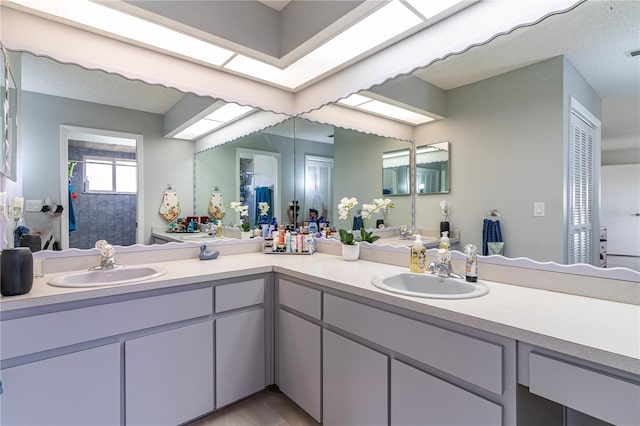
16, 271
444, 226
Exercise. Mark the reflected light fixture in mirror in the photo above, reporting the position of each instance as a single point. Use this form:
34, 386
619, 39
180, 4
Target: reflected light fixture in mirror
223, 115
384, 109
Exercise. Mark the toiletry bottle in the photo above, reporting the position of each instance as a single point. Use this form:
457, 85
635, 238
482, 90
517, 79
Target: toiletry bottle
294, 242
471, 272
418, 256
276, 237
287, 241
219, 228
444, 241
299, 242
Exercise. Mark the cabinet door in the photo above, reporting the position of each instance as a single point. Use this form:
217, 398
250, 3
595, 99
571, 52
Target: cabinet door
419, 398
299, 362
354, 383
82, 388
169, 376
240, 356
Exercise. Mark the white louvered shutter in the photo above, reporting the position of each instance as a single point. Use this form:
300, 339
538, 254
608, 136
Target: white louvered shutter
580, 191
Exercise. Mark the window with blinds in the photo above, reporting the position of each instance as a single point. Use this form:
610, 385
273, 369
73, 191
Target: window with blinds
580, 191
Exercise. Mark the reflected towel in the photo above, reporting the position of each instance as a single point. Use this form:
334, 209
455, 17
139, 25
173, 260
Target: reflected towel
263, 194
170, 207
358, 223
72, 214
491, 232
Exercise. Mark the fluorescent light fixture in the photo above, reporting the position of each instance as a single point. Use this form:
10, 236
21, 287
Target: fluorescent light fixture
431, 8
385, 109
384, 24
198, 128
114, 22
228, 112
426, 150
223, 115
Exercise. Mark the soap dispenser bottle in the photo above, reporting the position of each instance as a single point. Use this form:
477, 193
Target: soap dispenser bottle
418, 256
444, 241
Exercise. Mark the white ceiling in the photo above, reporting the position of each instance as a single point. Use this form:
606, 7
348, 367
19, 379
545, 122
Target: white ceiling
594, 37
275, 4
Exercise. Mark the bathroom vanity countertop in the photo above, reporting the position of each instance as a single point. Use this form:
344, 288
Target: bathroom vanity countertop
597, 330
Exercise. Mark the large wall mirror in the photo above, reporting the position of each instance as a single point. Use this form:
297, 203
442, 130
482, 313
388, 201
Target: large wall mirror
504, 108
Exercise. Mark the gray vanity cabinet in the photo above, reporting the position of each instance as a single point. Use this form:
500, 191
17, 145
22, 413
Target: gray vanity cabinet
420, 398
354, 381
169, 376
81, 388
299, 346
241, 360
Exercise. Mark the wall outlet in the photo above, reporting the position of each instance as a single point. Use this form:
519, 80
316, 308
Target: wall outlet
538, 208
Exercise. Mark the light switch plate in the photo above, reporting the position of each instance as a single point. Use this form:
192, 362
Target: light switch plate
538, 208
34, 205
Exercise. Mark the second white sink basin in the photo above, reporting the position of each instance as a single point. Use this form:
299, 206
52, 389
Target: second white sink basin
429, 286
106, 277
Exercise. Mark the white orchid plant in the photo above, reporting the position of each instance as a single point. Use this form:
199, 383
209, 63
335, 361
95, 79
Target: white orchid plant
263, 206
244, 213
368, 210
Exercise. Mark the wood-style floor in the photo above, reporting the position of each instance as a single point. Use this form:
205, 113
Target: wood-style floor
267, 408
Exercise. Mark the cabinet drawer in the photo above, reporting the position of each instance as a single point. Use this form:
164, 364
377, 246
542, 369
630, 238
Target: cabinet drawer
37, 333
301, 298
476, 361
239, 295
605, 397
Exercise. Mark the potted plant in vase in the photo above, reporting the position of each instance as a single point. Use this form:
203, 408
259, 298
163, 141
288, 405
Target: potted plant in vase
350, 242
243, 210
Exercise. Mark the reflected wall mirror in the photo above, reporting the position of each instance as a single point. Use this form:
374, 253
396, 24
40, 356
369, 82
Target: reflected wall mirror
396, 175
8, 128
432, 169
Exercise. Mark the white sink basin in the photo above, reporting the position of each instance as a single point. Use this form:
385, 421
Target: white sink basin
429, 285
107, 277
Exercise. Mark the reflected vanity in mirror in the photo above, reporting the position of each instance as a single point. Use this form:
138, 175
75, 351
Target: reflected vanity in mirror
432, 168
396, 173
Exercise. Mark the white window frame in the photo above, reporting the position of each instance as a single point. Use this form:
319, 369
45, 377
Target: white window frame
98, 159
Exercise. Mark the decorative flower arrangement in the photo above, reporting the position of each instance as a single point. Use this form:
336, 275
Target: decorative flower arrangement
346, 204
263, 206
244, 214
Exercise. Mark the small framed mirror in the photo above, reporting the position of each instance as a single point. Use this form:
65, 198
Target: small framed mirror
432, 169
396, 173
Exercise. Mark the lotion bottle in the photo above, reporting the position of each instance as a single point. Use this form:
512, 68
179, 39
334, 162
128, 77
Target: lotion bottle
418, 256
444, 241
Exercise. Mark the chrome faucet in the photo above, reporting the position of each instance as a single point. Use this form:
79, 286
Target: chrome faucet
108, 261
442, 266
405, 233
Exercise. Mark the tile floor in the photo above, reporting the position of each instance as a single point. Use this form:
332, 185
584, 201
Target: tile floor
267, 408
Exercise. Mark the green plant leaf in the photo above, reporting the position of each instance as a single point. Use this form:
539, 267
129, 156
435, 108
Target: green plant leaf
346, 237
368, 236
